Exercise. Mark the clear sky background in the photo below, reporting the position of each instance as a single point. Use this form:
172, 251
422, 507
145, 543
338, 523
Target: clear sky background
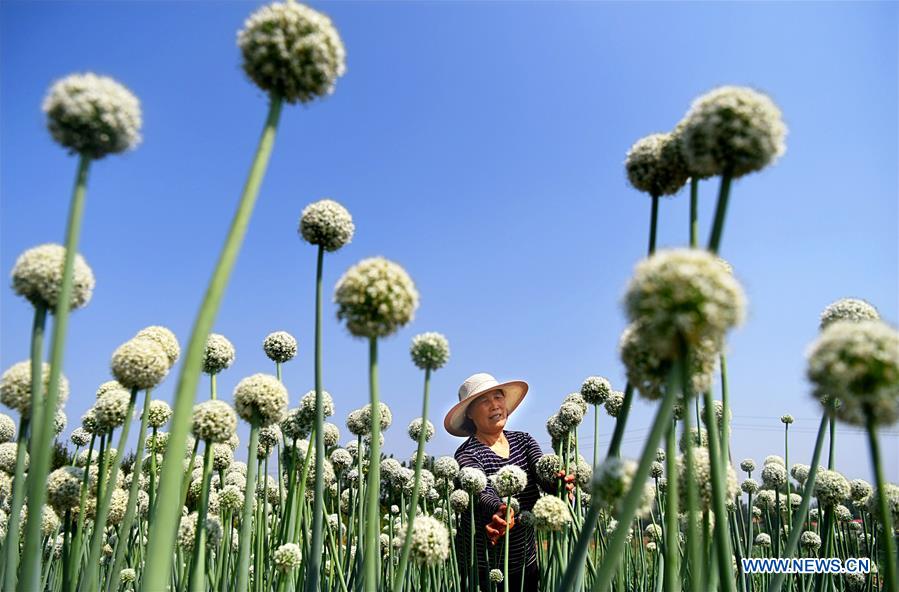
480, 145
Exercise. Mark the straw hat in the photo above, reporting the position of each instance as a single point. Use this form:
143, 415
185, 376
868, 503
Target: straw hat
476, 385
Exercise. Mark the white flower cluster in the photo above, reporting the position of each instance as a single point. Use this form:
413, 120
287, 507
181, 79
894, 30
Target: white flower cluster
214, 421
595, 390
831, 488
429, 542
93, 115
166, 340
551, 513
287, 557
656, 165
15, 386
848, 309
37, 276
260, 399
219, 354
702, 477
683, 295
292, 51
280, 346
430, 351
731, 129
111, 409
614, 478
509, 480
140, 363
375, 297
858, 362
326, 223
472, 480
158, 413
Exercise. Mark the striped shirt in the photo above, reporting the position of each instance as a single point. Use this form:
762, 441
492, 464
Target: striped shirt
524, 452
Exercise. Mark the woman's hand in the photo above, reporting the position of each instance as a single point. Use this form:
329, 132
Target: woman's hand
568, 480
497, 527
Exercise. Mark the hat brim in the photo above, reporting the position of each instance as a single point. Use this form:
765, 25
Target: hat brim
515, 391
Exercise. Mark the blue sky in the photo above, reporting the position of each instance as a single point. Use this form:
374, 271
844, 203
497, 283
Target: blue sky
480, 145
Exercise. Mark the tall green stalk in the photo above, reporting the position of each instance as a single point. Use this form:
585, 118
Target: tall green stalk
694, 212
722, 528
163, 528
798, 517
314, 569
91, 579
416, 487
653, 224
373, 506
609, 566
889, 544
720, 212
671, 575
42, 431
11, 560
246, 519
128, 520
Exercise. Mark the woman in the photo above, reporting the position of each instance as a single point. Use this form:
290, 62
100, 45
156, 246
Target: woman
481, 414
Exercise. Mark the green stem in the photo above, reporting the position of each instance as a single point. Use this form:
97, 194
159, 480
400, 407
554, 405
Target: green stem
621, 421
246, 520
694, 212
195, 582
831, 458
506, 546
722, 529
631, 501
314, 572
889, 550
720, 211
372, 509
42, 430
163, 529
696, 562
595, 435
653, 224
93, 562
725, 412
131, 510
796, 526
11, 563
672, 533
413, 504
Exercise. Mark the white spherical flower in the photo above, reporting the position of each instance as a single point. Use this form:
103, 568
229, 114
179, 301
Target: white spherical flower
7, 428
287, 557
548, 467
15, 386
430, 541
60, 420
683, 295
786, 419
222, 457
331, 435
509, 480
414, 430
747, 465
214, 421
858, 362
292, 51
731, 129
614, 478
111, 410
763, 540
648, 371
496, 576
296, 424
892, 497
810, 541
93, 115
472, 480
219, 354
365, 418
80, 437
859, 489
307, 405
341, 459
37, 276
158, 413
571, 414
702, 477
698, 436
656, 165
128, 575
430, 351
848, 309
280, 346
774, 476
774, 459
166, 340
375, 297
831, 488
459, 500
750, 486
260, 399
551, 514
595, 390
64, 488
140, 364
717, 413
446, 468
614, 403
326, 223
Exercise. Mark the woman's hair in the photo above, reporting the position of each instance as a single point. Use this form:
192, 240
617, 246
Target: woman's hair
468, 426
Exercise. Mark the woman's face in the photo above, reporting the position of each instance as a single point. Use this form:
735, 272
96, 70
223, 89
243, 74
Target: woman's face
488, 412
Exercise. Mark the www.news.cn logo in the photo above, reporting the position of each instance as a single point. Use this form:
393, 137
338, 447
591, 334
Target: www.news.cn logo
807, 565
